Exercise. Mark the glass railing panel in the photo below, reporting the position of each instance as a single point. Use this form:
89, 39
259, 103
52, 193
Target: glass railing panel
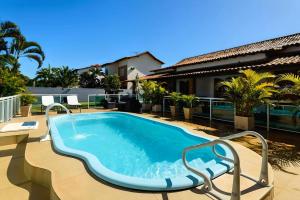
285, 117
202, 108
223, 110
260, 115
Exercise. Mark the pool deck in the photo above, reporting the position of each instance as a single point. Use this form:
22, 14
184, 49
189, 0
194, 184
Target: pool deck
32, 170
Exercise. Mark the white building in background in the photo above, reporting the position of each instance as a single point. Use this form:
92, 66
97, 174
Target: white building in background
127, 68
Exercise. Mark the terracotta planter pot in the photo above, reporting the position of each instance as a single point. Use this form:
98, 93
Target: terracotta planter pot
156, 108
146, 106
188, 112
244, 123
173, 111
26, 111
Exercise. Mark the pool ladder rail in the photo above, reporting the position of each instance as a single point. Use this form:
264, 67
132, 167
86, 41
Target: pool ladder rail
235, 191
47, 136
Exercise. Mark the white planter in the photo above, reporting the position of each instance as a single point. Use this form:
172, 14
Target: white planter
156, 108
244, 123
146, 106
26, 111
188, 113
173, 111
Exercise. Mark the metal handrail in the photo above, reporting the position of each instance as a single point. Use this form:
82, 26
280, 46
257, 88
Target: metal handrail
46, 137
207, 185
264, 175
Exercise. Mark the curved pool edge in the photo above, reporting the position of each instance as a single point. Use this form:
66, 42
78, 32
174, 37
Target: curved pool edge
96, 167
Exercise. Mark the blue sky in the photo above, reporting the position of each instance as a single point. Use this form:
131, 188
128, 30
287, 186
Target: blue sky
79, 33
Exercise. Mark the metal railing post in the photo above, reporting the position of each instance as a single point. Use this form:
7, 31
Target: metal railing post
268, 117
163, 114
210, 109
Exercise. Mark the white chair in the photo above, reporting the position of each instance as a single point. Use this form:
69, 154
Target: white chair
46, 101
73, 101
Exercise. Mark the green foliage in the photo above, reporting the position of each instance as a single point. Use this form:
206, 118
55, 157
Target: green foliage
27, 99
10, 83
56, 77
112, 83
147, 90
291, 85
249, 90
152, 92
158, 93
91, 79
14, 46
175, 98
67, 77
188, 100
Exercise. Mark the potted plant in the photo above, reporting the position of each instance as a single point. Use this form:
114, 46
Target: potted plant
26, 104
246, 92
188, 105
157, 97
147, 89
175, 99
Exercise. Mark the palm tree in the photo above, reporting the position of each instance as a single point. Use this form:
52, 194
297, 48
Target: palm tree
20, 48
92, 78
67, 77
293, 86
45, 77
249, 90
7, 30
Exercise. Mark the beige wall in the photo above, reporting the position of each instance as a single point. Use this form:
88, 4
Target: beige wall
141, 65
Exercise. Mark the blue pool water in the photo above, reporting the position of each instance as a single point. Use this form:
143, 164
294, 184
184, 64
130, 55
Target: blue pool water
135, 152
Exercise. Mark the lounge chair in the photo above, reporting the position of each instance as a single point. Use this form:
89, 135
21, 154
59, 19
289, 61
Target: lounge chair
46, 101
73, 101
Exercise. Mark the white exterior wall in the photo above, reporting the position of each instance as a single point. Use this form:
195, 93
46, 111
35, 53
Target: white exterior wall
205, 85
140, 66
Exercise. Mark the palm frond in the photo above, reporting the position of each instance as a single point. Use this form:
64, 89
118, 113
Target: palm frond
35, 58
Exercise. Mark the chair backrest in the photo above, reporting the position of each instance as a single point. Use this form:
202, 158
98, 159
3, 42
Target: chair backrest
72, 100
47, 100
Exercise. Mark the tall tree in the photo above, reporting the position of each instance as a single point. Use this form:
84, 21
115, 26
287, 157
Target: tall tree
7, 30
21, 48
67, 77
92, 78
46, 77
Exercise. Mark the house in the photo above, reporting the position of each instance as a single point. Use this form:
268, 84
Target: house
128, 68
200, 74
85, 69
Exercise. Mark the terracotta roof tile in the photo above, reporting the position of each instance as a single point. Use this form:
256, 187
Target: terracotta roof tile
275, 62
262, 46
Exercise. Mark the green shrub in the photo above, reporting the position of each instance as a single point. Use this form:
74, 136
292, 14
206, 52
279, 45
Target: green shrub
188, 100
249, 90
147, 90
112, 83
10, 83
175, 98
27, 99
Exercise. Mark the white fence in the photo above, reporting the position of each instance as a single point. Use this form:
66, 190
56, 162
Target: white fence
82, 93
9, 107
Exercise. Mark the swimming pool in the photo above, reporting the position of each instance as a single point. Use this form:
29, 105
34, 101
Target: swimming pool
135, 152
